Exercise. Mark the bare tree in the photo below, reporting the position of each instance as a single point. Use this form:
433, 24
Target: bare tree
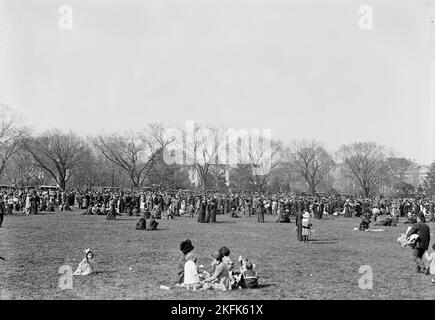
22, 171
57, 153
264, 156
202, 147
366, 161
11, 135
310, 161
135, 153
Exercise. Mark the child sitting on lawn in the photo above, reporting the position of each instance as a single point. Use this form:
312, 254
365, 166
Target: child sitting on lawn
227, 260
85, 267
247, 277
191, 276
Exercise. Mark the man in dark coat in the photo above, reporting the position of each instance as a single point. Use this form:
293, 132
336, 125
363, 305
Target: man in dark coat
299, 225
422, 244
260, 211
213, 209
201, 210
2, 211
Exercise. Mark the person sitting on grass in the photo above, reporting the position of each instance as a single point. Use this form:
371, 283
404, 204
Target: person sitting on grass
191, 276
220, 279
249, 278
365, 223
185, 247
141, 224
388, 221
234, 213
227, 260
246, 277
85, 267
151, 223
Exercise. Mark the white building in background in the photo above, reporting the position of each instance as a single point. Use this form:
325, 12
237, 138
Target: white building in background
193, 176
416, 175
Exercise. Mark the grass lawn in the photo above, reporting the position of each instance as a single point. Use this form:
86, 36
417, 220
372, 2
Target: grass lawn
327, 268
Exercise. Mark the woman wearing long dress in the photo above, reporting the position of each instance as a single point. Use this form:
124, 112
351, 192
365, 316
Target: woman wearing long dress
260, 211
111, 215
201, 211
28, 204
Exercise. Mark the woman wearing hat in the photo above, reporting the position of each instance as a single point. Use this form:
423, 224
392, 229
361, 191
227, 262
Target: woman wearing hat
185, 247
220, 279
260, 211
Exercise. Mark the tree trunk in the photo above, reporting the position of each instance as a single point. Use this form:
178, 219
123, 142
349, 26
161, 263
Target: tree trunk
367, 191
312, 189
62, 183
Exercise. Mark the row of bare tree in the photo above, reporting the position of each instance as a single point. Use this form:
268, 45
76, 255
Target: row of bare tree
152, 155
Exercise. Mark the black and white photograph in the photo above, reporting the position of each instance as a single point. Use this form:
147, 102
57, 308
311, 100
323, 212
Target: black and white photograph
217, 150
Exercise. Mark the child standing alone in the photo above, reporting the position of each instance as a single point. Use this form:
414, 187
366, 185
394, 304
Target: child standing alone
306, 227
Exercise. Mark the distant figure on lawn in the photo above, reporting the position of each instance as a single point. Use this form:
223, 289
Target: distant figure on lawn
306, 227
2, 211
299, 217
147, 224
111, 214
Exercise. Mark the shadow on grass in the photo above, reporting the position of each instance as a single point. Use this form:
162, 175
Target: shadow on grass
324, 241
158, 229
103, 272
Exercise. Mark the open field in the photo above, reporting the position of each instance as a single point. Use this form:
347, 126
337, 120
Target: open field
327, 268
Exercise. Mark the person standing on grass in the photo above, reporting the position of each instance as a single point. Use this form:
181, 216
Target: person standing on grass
299, 217
213, 209
260, 211
306, 227
201, 210
111, 215
2, 210
422, 243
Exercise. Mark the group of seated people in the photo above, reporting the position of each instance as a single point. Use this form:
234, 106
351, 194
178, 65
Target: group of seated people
222, 276
147, 223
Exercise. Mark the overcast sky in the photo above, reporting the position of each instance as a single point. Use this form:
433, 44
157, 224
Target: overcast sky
302, 68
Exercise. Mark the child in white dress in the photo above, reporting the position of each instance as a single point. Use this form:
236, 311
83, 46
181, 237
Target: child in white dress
191, 276
85, 267
431, 259
306, 226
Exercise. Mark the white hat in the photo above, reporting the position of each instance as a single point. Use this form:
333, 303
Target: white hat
306, 215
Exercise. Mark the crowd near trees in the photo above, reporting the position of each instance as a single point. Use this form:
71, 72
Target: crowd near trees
137, 159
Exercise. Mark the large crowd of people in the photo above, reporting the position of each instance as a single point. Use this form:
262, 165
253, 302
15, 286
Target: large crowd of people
207, 206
